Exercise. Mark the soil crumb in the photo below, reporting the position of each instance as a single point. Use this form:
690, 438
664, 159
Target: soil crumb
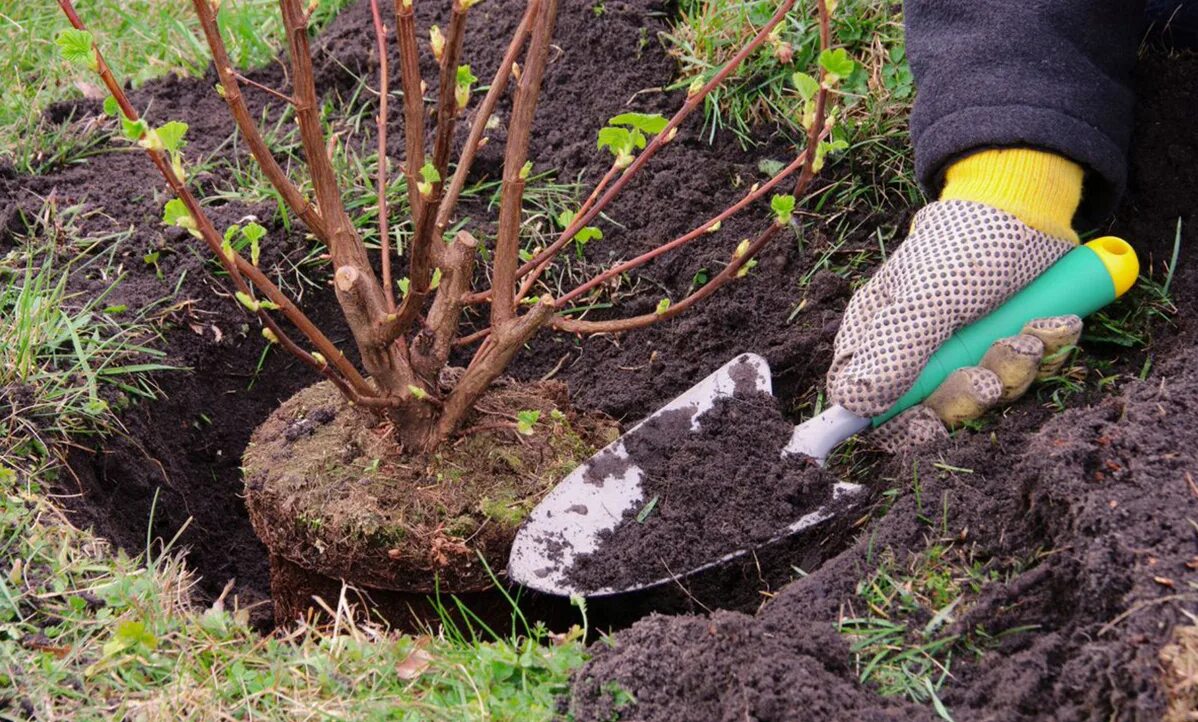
707, 493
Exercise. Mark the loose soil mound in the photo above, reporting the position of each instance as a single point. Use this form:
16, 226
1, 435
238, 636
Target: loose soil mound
1083, 523
715, 491
329, 490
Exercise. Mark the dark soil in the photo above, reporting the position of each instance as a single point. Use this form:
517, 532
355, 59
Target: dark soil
328, 490
721, 489
1083, 516
1085, 520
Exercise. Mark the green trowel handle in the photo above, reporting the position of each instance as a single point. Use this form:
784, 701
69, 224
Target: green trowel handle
1083, 281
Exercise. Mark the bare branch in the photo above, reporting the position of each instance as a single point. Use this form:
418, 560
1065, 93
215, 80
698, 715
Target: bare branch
344, 245
485, 109
380, 36
507, 245
728, 274
489, 362
413, 100
697, 232
294, 199
447, 105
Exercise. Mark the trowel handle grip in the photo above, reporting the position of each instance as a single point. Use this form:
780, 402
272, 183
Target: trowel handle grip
1084, 280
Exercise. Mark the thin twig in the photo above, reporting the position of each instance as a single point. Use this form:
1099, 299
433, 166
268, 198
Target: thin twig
728, 274
485, 109
380, 36
291, 195
697, 232
264, 88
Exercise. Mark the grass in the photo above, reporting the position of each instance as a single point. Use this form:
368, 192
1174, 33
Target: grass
89, 633
157, 37
902, 621
900, 639
877, 95
66, 359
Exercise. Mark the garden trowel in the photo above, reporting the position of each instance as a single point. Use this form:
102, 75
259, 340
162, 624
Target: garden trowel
598, 495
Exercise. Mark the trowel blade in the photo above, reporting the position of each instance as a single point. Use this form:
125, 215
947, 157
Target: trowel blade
595, 497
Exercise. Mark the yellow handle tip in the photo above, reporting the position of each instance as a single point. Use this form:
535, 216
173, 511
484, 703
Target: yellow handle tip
1120, 261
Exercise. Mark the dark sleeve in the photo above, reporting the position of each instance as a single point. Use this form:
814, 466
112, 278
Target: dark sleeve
1047, 74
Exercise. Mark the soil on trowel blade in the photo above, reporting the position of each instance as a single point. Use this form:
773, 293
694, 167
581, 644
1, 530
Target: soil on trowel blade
707, 493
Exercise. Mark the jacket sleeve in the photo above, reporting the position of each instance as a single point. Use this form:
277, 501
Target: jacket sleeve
1048, 74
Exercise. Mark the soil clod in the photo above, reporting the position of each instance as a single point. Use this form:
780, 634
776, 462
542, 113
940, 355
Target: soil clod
707, 493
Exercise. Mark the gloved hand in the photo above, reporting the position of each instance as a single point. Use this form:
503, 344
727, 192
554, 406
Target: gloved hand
965, 255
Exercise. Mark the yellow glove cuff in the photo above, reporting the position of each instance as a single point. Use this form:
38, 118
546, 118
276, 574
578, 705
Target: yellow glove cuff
1041, 189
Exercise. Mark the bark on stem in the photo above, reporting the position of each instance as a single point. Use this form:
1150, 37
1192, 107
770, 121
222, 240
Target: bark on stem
507, 245
485, 109
361, 296
413, 100
380, 36
447, 105
344, 246
490, 361
431, 348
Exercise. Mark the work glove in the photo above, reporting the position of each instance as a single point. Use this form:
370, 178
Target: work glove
961, 260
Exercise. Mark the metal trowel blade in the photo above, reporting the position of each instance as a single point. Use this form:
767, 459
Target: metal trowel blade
595, 497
